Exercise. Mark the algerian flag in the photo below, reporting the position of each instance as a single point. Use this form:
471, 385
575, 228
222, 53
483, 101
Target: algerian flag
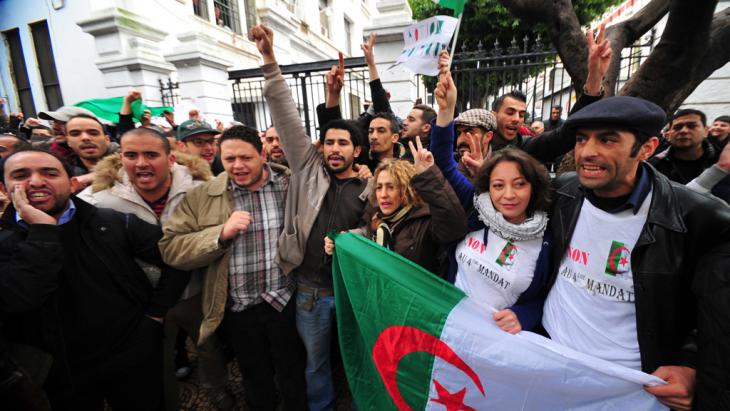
108, 108
411, 341
456, 5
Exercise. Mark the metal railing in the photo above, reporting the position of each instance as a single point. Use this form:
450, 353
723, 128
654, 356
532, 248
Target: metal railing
308, 84
169, 92
482, 75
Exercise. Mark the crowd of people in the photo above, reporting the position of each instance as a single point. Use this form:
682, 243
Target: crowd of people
115, 244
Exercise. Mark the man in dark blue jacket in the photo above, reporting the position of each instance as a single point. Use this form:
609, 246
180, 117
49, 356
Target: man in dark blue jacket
91, 307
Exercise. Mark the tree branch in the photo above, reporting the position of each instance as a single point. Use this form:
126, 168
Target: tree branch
677, 59
564, 30
532, 11
624, 34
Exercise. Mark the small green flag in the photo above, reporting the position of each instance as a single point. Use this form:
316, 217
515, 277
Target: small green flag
456, 5
507, 255
108, 108
619, 259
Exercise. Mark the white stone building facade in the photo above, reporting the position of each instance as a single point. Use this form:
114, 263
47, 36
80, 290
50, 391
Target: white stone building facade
60, 52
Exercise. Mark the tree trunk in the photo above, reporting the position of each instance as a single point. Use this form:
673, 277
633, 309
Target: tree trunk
692, 47
564, 30
673, 69
626, 33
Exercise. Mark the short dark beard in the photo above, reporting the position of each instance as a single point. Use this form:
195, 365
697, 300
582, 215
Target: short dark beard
59, 206
346, 166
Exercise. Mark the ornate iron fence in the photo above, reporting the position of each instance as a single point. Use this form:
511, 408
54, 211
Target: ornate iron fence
481, 75
308, 85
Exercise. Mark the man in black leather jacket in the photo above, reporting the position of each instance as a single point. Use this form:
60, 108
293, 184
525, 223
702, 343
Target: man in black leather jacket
621, 287
77, 291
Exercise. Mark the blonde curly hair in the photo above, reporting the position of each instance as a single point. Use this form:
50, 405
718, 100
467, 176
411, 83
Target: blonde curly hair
401, 172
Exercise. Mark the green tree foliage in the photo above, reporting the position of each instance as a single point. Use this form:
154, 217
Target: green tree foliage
487, 20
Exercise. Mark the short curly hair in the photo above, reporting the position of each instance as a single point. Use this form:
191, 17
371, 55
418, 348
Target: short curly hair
401, 172
535, 173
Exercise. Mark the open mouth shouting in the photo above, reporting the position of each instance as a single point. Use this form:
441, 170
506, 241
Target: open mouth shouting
277, 153
89, 148
592, 170
38, 198
336, 160
145, 177
208, 156
511, 130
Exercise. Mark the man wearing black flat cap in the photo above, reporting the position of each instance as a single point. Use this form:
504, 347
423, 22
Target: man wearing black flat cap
627, 244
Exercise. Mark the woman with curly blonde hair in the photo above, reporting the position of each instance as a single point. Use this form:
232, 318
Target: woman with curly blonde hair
415, 211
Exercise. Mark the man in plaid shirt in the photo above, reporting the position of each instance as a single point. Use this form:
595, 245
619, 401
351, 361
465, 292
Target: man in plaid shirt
231, 225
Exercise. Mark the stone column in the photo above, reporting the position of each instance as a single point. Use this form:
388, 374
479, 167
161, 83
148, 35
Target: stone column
203, 76
128, 53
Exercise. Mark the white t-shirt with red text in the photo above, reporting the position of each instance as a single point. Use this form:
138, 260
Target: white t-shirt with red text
591, 307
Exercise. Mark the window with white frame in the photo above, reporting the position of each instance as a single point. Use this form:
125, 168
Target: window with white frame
226, 14
200, 8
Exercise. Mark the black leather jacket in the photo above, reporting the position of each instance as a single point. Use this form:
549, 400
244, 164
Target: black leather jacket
681, 226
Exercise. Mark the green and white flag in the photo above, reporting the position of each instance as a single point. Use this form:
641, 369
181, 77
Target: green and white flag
411, 341
456, 5
108, 108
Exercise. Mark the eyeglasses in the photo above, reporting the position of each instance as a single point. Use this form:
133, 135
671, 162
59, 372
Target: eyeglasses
680, 126
201, 142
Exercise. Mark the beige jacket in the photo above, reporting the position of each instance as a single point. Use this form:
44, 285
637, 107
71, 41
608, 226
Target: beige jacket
190, 241
309, 178
111, 188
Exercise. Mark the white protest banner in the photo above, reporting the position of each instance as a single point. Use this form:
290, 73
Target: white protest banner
424, 40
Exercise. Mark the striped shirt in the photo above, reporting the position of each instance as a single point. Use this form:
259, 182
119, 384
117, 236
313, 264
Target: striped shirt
253, 275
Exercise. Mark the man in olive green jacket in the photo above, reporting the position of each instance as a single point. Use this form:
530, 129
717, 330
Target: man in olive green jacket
230, 227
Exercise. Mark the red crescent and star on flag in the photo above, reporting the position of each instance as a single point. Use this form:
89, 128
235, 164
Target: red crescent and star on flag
395, 342
623, 261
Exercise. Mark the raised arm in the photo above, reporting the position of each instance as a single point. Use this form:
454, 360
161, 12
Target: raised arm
377, 92
330, 109
555, 143
442, 136
448, 219
294, 140
126, 121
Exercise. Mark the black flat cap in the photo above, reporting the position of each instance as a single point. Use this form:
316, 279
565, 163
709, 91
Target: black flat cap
631, 113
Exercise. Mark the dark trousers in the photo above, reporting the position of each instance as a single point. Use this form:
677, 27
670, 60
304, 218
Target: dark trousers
130, 379
268, 349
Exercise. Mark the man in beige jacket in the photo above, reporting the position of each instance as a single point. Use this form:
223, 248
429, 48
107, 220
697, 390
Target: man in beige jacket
326, 193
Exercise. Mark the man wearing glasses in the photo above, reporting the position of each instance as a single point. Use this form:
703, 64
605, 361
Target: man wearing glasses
198, 138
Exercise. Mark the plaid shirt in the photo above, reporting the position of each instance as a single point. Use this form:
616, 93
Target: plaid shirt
253, 276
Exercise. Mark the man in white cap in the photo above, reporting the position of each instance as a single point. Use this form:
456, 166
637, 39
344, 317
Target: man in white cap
58, 120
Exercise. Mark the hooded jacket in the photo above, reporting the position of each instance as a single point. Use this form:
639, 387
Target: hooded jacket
111, 188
